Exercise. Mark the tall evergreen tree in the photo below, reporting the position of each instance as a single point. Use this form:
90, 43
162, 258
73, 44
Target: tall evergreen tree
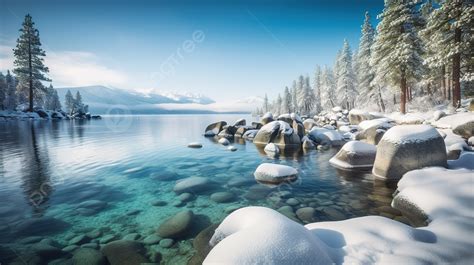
10, 94
28, 54
278, 105
51, 101
317, 89
346, 91
398, 48
365, 73
328, 97
450, 27
300, 94
287, 101
294, 97
307, 98
69, 102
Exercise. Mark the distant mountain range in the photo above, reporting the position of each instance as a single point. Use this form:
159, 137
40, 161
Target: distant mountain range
102, 100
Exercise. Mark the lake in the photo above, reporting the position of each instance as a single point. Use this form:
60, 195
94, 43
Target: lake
114, 178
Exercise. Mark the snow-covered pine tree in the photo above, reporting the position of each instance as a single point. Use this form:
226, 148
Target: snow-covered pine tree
51, 101
287, 101
266, 106
398, 49
317, 89
308, 98
10, 93
346, 91
69, 102
327, 89
79, 105
336, 66
450, 27
28, 54
300, 94
294, 97
278, 105
3, 91
365, 73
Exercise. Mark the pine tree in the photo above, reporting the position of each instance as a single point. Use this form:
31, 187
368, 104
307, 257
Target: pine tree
287, 101
307, 97
365, 73
317, 89
398, 48
51, 101
3, 91
300, 94
266, 107
294, 97
10, 93
278, 105
346, 91
28, 54
69, 102
327, 89
450, 31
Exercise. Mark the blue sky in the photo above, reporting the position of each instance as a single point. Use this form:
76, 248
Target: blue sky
244, 48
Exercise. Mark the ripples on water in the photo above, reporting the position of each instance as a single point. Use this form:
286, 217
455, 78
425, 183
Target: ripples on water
47, 168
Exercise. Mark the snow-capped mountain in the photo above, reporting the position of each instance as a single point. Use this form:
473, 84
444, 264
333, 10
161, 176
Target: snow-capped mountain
101, 99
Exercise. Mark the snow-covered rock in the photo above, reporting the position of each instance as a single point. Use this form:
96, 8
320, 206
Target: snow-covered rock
267, 118
271, 149
357, 116
240, 122
274, 173
228, 131
408, 118
194, 145
250, 134
438, 115
354, 155
309, 124
232, 148
224, 141
324, 136
258, 235
214, 128
408, 147
279, 133
460, 123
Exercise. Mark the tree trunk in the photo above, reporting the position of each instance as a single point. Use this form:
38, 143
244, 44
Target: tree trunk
443, 75
382, 105
403, 90
30, 69
457, 71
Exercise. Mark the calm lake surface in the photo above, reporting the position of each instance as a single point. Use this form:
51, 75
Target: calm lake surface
115, 176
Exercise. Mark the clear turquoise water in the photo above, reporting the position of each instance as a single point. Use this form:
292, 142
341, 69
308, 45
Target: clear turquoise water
48, 167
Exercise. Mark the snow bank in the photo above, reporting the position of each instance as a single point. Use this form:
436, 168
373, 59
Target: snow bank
410, 133
258, 235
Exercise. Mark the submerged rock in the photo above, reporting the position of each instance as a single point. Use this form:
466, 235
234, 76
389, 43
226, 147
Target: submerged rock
195, 145
88, 256
408, 147
176, 226
223, 196
274, 173
355, 155
123, 252
192, 184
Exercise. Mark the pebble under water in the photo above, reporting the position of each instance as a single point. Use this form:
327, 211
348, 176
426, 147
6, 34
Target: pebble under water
70, 186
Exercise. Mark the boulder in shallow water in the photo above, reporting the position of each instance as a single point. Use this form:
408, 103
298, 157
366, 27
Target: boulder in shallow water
177, 226
224, 141
223, 196
323, 136
279, 133
195, 145
408, 147
267, 118
355, 155
274, 173
123, 252
214, 128
271, 149
240, 122
228, 131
